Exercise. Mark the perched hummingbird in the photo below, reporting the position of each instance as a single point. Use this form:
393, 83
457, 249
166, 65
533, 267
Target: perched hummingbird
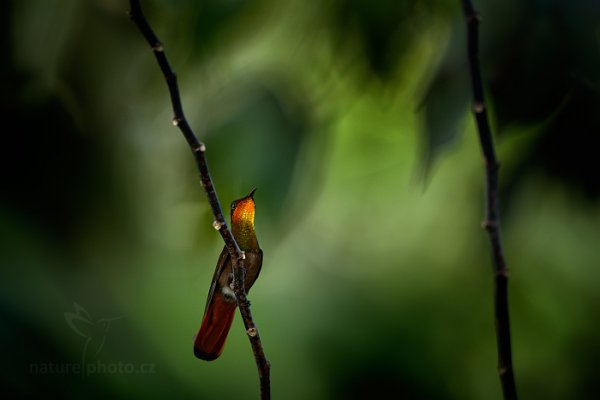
221, 302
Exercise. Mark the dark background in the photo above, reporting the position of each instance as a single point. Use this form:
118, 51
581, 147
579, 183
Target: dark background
352, 120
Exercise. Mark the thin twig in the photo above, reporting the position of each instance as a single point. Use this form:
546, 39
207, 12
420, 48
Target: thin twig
492, 220
199, 150
262, 363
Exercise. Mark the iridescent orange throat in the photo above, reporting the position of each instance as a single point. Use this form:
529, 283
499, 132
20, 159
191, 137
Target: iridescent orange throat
242, 224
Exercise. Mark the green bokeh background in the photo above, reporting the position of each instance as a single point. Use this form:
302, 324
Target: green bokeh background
351, 118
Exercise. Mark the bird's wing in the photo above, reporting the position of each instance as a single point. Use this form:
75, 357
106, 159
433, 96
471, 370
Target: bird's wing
254, 257
224, 258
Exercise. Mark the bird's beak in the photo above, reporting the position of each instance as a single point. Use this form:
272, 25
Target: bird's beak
251, 195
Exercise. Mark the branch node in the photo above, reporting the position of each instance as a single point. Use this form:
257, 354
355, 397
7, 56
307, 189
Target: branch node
176, 121
218, 225
478, 107
474, 17
489, 225
252, 332
201, 148
503, 273
158, 47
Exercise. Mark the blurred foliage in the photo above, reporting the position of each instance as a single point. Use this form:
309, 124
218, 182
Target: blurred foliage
377, 277
540, 61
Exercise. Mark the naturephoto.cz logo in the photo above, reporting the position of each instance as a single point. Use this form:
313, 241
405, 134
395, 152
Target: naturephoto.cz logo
94, 333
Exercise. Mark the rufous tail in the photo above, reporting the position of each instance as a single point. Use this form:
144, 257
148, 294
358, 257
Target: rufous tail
215, 326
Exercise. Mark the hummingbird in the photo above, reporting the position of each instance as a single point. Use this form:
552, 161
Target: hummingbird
221, 302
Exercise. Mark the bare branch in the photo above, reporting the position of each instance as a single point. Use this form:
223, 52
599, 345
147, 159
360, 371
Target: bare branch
264, 367
492, 220
199, 151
